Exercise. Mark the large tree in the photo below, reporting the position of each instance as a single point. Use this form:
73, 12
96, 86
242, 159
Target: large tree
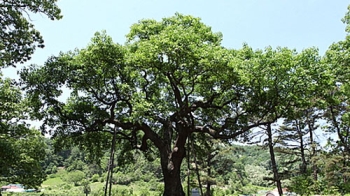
18, 37
172, 78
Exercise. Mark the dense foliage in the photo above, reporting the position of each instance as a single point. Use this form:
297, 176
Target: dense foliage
18, 37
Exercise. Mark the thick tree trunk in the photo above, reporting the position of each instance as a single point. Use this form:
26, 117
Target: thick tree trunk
171, 165
171, 159
273, 160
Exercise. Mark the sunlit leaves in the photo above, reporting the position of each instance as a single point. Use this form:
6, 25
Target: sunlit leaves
18, 38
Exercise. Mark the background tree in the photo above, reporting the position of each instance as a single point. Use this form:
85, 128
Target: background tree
203, 153
22, 148
336, 99
278, 82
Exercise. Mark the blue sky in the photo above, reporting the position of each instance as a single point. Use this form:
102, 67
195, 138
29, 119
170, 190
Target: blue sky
295, 24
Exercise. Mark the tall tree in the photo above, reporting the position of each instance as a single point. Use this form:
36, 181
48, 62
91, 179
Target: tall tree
171, 79
336, 98
18, 37
281, 84
276, 176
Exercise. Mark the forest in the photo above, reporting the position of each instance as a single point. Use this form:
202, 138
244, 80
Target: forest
171, 111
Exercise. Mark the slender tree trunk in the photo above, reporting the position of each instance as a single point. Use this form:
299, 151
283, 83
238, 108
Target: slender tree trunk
208, 191
110, 166
188, 167
313, 151
302, 149
108, 172
273, 160
112, 162
197, 170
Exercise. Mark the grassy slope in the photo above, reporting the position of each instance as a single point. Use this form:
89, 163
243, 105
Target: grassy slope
55, 186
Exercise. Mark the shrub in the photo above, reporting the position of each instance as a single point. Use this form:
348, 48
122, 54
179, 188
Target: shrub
74, 177
301, 184
144, 192
121, 178
65, 186
86, 187
122, 191
219, 192
95, 178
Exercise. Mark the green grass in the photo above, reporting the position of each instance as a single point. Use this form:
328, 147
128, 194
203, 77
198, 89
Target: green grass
55, 186
52, 182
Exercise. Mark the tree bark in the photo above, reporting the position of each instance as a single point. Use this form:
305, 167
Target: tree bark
171, 164
196, 167
188, 167
112, 163
273, 160
171, 159
313, 148
107, 178
110, 166
302, 149
208, 191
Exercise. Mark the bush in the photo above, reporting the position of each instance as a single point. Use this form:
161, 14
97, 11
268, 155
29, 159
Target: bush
86, 187
249, 189
95, 178
153, 185
61, 173
144, 192
123, 191
121, 178
219, 192
301, 184
65, 186
97, 192
160, 187
74, 177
